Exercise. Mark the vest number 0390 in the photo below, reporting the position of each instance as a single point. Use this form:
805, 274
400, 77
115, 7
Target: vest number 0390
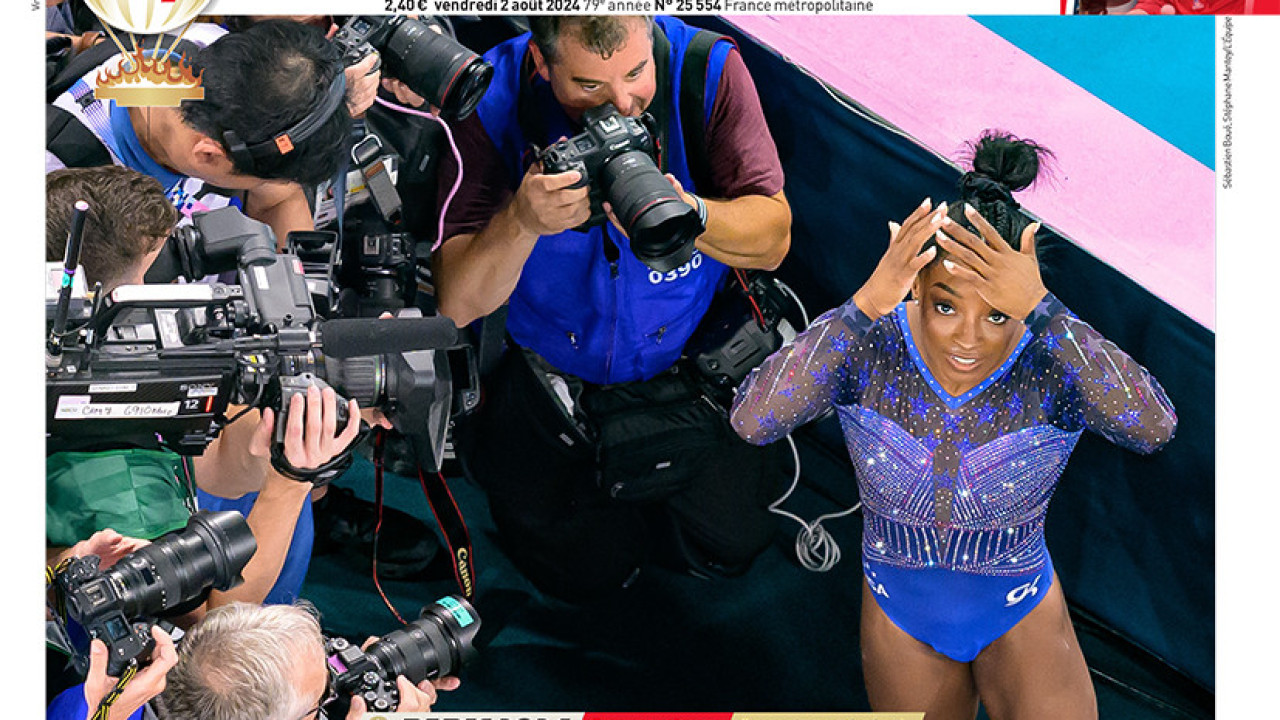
694, 263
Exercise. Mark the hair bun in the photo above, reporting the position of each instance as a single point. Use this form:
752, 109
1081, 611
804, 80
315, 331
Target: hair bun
977, 185
1004, 160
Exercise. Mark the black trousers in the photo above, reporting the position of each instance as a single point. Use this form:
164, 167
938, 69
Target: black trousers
570, 537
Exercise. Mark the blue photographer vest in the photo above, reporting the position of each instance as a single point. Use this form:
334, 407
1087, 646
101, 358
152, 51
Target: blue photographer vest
606, 323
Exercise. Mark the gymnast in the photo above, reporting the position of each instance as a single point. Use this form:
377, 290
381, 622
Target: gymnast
960, 407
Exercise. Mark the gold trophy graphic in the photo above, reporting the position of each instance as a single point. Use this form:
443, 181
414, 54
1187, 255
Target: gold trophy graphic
148, 76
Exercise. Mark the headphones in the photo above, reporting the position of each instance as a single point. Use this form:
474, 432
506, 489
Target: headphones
243, 154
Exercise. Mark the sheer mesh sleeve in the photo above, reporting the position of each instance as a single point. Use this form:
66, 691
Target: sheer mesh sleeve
1105, 390
801, 381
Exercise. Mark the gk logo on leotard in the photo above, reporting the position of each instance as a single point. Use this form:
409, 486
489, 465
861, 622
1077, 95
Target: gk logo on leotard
1020, 593
876, 588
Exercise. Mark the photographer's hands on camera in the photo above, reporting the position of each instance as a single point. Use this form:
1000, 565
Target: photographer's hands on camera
146, 684
150, 682
550, 204
413, 698
107, 544
313, 448
365, 77
686, 197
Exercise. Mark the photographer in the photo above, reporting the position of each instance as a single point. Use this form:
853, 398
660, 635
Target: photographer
345, 523
363, 78
277, 77
137, 491
241, 662
587, 312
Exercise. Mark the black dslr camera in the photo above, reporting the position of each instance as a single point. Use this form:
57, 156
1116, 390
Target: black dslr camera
119, 605
437, 644
421, 55
615, 155
372, 271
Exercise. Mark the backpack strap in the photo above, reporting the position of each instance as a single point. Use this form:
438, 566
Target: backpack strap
694, 112
71, 142
91, 58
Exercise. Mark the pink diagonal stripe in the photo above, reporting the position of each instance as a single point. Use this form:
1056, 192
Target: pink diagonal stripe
1121, 192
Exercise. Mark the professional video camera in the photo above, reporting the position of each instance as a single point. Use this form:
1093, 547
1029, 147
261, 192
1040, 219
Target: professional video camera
119, 605
163, 362
423, 56
435, 645
375, 271
615, 155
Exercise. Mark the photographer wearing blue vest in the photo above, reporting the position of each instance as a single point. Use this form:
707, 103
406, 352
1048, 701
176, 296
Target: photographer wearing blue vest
598, 334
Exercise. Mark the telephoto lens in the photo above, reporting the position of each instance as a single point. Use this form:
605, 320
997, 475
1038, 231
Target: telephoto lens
437, 67
208, 553
661, 226
116, 605
435, 645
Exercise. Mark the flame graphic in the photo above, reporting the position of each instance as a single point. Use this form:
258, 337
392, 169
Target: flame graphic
158, 81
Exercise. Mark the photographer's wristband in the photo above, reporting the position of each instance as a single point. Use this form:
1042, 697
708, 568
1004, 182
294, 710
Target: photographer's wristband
323, 474
701, 205
319, 476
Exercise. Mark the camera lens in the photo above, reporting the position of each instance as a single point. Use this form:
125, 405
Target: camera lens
209, 552
662, 227
438, 68
437, 644
363, 379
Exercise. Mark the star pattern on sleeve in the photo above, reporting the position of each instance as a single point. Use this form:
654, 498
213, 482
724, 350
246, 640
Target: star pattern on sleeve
821, 374
840, 343
919, 407
1014, 405
891, 392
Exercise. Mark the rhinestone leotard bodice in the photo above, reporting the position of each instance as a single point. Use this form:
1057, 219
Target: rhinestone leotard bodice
956, 482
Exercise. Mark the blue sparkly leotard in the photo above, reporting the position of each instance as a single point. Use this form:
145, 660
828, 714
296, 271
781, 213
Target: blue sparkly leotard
955, 489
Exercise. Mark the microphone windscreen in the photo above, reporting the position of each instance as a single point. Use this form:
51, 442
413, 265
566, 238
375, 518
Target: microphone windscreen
357, 337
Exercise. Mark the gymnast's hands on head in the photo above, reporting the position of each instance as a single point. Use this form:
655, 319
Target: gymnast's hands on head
1007, 279
892, 278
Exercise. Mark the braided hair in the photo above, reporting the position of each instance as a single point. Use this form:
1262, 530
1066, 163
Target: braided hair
1002, 165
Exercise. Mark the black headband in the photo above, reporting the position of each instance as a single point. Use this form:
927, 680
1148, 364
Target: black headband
282, 143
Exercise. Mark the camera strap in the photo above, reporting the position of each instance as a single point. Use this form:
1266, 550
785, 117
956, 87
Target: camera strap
321, 475
367, 156
445, 509
103, 711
